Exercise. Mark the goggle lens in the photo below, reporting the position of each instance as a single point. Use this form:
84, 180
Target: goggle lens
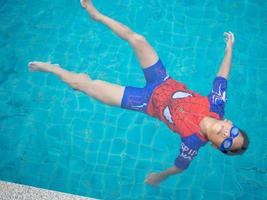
234, 131
227, 144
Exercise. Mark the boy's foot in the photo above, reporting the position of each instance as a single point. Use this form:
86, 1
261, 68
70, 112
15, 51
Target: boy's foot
41, 66
93, 12
85, 3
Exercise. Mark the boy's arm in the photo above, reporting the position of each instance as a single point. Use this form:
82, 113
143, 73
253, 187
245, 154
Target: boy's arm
156, 178
226, 63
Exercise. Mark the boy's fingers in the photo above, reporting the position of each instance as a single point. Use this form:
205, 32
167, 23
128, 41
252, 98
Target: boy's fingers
229, 35
232, 36
226, 36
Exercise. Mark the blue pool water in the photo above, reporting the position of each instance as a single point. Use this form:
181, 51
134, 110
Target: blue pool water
56, 138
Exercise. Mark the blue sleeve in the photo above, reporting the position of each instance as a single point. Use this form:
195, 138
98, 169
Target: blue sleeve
217, 97
187, 153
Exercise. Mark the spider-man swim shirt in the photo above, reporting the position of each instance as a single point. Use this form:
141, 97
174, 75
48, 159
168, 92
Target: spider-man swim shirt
182, 110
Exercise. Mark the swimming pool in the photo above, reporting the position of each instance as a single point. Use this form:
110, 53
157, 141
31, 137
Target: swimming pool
55, 138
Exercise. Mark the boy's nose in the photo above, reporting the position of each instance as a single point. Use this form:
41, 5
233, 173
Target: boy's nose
226, 133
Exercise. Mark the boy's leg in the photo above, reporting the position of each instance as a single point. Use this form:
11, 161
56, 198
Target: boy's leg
145, 53
105, 92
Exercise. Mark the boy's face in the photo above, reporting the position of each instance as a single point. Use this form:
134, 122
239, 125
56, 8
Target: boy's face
221, 131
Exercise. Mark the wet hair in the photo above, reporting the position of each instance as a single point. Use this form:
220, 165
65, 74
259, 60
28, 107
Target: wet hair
244, 147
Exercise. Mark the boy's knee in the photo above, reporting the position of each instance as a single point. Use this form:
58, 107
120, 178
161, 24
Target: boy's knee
83, 77
80, 81
136, 39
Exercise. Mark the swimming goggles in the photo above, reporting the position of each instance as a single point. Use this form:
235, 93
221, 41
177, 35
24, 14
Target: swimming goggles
228, 142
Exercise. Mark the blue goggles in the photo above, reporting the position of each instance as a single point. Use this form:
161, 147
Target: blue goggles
228, 142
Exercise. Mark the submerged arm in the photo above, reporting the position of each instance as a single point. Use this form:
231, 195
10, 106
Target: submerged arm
156, 178
226, 63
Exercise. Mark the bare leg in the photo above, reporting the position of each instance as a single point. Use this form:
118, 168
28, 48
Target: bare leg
105, 92
145, 53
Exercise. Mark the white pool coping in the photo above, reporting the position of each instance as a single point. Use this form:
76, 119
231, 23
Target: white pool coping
12, 191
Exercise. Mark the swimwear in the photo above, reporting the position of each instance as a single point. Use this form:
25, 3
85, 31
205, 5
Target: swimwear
137, 98
181, 109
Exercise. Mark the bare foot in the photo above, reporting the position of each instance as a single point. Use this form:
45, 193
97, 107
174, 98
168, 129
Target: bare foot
41, 66
84, 3
93, 12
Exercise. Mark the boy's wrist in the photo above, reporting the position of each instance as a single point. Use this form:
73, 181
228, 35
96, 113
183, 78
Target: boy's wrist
229, 49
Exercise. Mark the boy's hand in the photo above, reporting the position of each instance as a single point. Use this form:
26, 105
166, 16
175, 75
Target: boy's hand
229, 39
155, 179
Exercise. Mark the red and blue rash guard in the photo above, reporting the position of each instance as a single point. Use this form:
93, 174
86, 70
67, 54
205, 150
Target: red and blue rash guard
182, 110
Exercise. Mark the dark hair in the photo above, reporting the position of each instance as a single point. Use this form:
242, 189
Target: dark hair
244, 146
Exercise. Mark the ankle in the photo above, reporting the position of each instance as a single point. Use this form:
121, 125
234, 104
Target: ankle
95, 15
55, 69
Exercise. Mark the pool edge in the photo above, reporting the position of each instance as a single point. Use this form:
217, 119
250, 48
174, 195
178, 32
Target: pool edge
13, 191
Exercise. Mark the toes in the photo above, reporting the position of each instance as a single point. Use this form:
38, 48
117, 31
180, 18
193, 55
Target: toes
31, 63
83, 3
